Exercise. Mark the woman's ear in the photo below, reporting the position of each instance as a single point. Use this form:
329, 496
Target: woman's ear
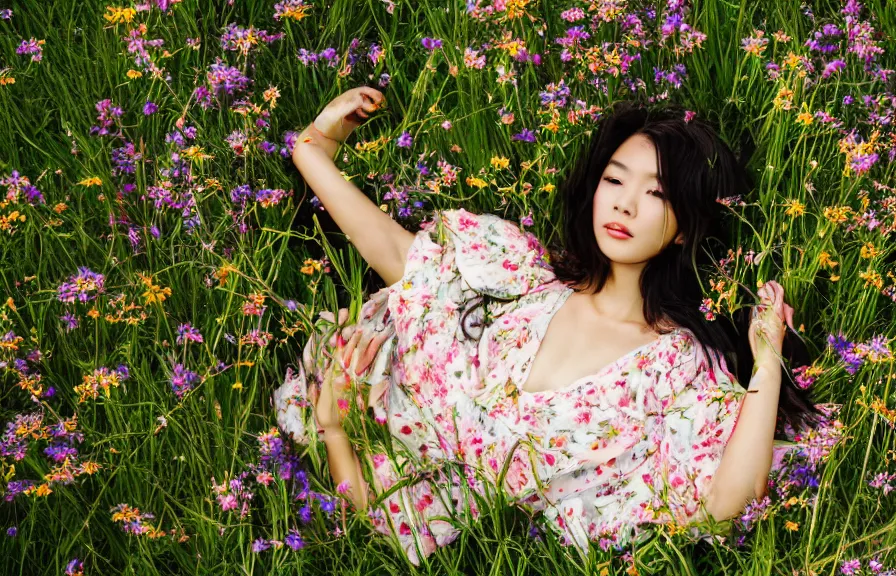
679, 239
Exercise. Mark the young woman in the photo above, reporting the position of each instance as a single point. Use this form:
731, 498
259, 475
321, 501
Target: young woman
594, 390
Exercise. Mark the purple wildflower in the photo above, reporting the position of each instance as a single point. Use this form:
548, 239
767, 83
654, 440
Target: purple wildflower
183, 380
260, 545
33, 47
237, 38
124, 159
525, 135
150, 108
187, 333
834, 66
431, 43
405, 140
70, 321
851, 566
18, 185
74, 568
84, 286
270, 197
106, 118
294, 540
241, 194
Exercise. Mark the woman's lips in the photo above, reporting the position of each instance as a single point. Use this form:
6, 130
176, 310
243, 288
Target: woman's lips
617, 233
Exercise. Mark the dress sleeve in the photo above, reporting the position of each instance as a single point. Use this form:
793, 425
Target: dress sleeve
698, 418
292, 400
494, 256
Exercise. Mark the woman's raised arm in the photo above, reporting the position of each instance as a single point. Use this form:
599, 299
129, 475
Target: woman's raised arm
381, 241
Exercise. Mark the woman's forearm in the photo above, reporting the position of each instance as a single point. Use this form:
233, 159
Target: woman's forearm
345, 466
743, 473
381, 241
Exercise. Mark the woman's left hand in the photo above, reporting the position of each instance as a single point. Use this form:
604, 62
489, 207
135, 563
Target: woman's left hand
767, 329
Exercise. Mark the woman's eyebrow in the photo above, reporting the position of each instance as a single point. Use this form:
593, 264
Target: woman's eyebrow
625, 168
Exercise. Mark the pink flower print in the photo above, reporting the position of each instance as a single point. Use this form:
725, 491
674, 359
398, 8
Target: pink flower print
466, 222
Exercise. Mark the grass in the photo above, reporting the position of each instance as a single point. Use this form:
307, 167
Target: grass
156, 419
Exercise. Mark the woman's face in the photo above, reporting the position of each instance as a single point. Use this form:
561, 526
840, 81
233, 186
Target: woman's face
630, 194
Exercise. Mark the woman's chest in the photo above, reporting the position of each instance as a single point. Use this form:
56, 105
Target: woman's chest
566, 345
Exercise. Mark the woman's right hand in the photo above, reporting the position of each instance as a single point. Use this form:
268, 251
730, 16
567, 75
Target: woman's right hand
354, 350
347, 111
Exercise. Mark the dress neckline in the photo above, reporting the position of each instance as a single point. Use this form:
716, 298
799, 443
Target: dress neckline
540, 331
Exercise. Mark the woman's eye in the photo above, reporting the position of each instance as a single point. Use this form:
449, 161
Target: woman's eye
656, 193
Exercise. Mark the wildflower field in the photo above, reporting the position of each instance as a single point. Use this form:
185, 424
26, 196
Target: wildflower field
163, 263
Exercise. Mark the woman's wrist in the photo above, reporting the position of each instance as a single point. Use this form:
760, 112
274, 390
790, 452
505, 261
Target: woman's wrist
322, 134
333, 433
768, 361
314, 137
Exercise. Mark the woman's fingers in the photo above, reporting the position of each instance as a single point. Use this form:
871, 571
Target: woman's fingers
351, 345
369, 105
370, 352
373, 93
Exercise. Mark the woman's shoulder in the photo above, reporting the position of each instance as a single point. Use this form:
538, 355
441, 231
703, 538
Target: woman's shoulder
494, 255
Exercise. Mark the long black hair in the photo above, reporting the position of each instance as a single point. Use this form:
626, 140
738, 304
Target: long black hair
696, 170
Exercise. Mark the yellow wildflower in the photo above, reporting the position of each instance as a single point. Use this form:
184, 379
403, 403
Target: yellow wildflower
804, 118
154, 293
824, 259
500, 162
792, 60
92, 181
837, 214
271, 95
60, 207
6, 222
756, 43
477, 182
795, 208
781, 36
196, 152
223, 272
90, 468
296, 13
792, 526
118, 15
783, 100
311, 265
371, 146
873, 278
4, 80
515, 8
134, 74
868, 251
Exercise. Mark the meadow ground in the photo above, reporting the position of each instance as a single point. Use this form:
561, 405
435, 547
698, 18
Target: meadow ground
163, 263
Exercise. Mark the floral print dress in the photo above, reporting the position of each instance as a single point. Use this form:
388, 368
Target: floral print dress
637, 442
